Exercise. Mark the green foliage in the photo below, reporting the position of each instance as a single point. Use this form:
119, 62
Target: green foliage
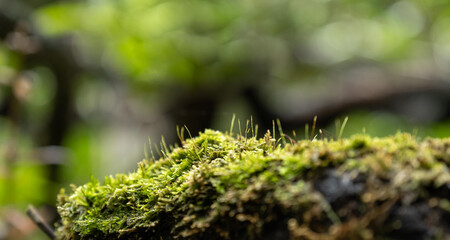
217, 186
22, 178
156, 43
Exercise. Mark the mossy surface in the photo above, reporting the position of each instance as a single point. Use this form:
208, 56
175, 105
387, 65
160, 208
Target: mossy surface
221, 187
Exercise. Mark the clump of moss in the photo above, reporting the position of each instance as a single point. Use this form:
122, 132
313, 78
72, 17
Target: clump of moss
221, 187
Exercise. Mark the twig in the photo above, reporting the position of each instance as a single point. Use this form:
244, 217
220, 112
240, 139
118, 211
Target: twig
39, 221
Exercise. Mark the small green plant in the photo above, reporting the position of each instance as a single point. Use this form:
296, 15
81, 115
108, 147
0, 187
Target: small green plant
226, 186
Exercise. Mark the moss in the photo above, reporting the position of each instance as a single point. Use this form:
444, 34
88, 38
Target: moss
221, 187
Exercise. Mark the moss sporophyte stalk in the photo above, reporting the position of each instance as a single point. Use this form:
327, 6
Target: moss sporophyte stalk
217, 186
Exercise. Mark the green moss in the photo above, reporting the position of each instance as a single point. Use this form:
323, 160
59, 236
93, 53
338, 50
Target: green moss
220, 187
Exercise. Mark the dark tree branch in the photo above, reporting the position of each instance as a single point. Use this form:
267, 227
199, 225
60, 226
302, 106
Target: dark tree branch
40, 222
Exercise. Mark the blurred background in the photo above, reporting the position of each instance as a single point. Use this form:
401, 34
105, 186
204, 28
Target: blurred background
83, 84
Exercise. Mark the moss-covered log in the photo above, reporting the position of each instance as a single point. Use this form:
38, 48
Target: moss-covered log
221, 187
